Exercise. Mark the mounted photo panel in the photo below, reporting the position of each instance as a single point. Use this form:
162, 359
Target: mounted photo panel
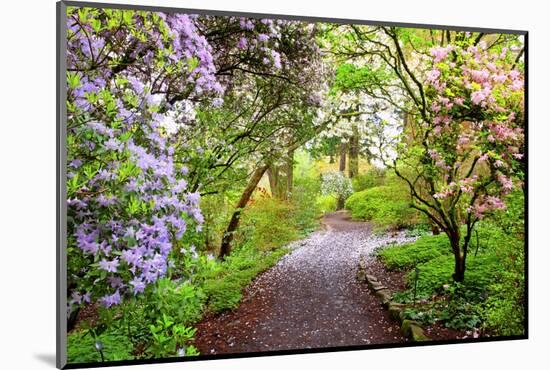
236, 185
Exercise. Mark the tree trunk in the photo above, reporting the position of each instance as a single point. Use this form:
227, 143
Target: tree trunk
435, 228
342, 168
460, 259
343, 151
225, 248
340, 203
460, 268
281, 178
289, 174
353, 162
273, 174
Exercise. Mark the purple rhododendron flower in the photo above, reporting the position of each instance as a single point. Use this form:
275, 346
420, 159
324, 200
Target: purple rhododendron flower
115, 281
109, 266
243, 43
111, 300
262, 37
138, 284
113, 144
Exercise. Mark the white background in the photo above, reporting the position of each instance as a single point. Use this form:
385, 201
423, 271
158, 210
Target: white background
27, 182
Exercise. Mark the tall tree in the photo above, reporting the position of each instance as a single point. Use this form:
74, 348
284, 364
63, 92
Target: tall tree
464, 140
353, 161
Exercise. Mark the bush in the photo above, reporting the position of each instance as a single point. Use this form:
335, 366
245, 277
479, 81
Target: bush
335, 183
267, 223
407, 256
504, 236
386, 206
159, 322
326, 203
505, 307
182, 301
372, 178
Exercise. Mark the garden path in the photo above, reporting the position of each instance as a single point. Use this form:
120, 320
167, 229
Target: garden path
310, 299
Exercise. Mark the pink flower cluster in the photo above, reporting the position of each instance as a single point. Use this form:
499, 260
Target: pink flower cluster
466, 185
486, 204
440, 53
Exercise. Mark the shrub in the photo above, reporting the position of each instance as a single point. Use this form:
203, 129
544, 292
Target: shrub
505, 306
386, 206
182, 301
374, 177
407, 256
492, 294
504, 236
268, 223
223, 294
335, 183
326, 204
159, 322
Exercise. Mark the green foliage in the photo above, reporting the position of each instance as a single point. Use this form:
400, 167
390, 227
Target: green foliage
425, 317
386, 206
504, 236
159, 322
463, 309
407, 256
217, 210
372, 178
168, 336
81, 346
436, 273
505, 307
304, 198
181, 301
224, 294
267, 223
349, 76
326, 203
223, 285
491, 298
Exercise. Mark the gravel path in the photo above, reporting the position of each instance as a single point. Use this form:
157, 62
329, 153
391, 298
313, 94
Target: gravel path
310, 299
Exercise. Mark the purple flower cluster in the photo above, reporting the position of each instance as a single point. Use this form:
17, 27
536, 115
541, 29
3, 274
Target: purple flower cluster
189, 43
131, 204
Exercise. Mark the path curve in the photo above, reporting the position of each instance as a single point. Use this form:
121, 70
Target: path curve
310, 299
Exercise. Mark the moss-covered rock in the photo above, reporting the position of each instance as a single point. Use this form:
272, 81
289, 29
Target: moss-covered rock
384, 295
395, 309
413, 330
417, 334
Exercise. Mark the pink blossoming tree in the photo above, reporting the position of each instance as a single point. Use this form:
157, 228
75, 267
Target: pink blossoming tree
464, 139
461, 146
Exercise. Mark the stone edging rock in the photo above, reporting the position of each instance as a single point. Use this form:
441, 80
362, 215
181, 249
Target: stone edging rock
410, 328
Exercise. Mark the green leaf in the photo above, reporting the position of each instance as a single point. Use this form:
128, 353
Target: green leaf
96, 25
73, 79
192, 64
